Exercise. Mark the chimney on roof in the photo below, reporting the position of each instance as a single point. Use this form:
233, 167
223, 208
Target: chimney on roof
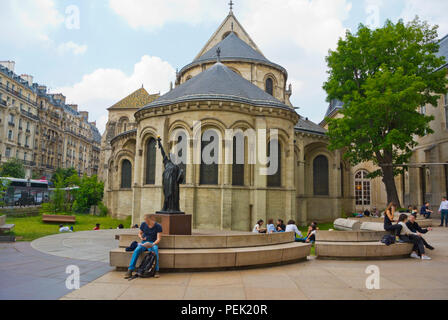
73, 106
93, 123
8, 64
60, 97
42, 88
27, 78
85, 115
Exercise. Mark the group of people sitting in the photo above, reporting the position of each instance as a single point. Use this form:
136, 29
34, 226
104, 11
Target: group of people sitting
407, 230
290, 227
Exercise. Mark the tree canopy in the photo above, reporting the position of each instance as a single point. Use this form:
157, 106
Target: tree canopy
13, 168
382, 76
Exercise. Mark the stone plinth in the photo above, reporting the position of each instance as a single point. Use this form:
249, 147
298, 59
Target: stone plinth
175, 224
347, 225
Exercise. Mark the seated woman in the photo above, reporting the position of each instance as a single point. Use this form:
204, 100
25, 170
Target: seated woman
311, 235
270, 228
258, 227
389, 216
415, 238
292, 227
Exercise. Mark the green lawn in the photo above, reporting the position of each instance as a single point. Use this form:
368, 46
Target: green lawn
31, 228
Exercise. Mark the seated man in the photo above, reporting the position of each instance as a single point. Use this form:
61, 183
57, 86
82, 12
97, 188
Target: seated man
414, 227
425, 211
280, 225
151, 235
406, 235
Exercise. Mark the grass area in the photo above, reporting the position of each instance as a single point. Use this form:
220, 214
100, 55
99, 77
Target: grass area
31, 228
321, 226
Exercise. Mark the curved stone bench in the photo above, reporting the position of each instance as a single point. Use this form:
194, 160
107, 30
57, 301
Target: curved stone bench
372, 226
362, 250
227, 258
347, 224
208, 241
349, 236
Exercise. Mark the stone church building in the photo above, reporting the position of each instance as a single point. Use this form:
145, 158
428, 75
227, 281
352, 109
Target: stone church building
230, 84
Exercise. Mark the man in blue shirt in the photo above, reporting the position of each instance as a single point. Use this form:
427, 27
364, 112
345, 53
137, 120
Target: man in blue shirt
425, 211
151, 234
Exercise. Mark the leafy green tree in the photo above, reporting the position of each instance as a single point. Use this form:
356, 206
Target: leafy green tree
13, 168
382, 76
58, 198
65, 173
90, 193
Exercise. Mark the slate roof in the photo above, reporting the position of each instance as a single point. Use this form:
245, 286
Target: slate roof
443, 51
233, 49
306, 125
334, 106
135, 100
218, 83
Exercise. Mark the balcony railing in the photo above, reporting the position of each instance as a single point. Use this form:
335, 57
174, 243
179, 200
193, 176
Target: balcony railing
29, 114
18, 94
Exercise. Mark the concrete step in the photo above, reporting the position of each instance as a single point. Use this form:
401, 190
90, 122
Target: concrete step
210, 241
362, 250
227, 258
349, 236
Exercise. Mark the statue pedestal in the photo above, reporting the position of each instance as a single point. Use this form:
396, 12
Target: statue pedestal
175, 223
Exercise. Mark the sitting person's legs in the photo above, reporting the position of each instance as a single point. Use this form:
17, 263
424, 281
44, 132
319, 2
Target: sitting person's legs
155, 249
140, 248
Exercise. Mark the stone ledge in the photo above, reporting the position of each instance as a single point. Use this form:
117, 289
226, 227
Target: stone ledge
362, 250
349, 236
213, 241
230, 258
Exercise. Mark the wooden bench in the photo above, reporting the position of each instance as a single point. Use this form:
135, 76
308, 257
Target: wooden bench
58, 219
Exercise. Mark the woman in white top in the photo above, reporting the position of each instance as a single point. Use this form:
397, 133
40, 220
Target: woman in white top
292, 227
258, 228
407, 235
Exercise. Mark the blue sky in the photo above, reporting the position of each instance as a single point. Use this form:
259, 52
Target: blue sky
119, 45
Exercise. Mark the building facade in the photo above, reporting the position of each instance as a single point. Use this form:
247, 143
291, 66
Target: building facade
229, 85
41, 130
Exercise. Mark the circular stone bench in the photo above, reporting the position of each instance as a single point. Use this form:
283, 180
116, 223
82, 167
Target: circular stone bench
347, 224
362, 250
219, 258
210, 241
349, 236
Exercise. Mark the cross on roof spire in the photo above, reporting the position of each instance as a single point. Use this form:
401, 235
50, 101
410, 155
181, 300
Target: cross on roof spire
231, 5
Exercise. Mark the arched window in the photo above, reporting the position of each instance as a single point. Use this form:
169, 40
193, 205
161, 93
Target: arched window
209, 169
269, 86
126, 174
238, 160
362, 188
320, 176
275, 180
181, 156
151, 161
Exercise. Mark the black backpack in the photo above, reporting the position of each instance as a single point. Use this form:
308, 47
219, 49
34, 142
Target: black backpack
147, 268
388, 239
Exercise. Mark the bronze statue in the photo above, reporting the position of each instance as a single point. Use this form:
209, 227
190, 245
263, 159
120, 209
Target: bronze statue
173, 175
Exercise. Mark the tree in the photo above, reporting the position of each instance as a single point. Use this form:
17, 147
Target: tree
4, 184
66, 175
58, 198
13, 168
382, 76
90, 193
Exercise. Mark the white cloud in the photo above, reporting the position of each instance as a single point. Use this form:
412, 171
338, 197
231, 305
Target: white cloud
28, 20
152, 15
102, 88
74, 48
434, 11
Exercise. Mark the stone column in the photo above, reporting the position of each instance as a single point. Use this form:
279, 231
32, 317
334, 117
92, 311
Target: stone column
258, 195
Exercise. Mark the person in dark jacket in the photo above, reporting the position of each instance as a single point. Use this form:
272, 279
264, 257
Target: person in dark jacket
414, 227
425, 211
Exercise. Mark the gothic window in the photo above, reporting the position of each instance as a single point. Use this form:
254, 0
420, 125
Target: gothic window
180, 155
126, 174
275, 180
209, 171
362, 188
151, 161
238, 161
269, 86
320, 176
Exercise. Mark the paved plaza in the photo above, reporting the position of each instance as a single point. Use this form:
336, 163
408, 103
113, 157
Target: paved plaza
37, 271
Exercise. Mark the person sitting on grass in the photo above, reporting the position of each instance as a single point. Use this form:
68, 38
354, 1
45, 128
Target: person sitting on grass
151, 234
270, 228
280, 225
97, 227
63, 229
258, 228
311, 234
292, 227
414, 227
406, 235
